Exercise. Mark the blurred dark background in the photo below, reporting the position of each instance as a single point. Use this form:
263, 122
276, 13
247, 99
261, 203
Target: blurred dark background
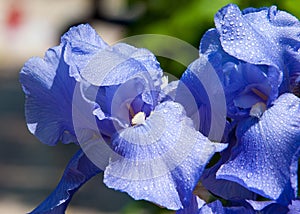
30, 170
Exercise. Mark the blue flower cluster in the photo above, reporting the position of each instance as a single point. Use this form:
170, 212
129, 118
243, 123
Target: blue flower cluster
152, 141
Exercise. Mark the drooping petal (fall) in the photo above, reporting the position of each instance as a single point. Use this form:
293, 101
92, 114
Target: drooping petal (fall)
264, 157
160, 160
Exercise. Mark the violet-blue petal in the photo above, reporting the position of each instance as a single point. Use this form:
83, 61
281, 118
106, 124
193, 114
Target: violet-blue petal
115, 105
91, 58
239, 78
118, 91
160, 160
291, 80
225, 189
82, 42
204, 102
49, 85
191, 85
233, 28
106, 66
79, 170
49, 90
211, 46
290, 190
145, 58
251, 78
136, 92
257, 36
114, 101
266, 149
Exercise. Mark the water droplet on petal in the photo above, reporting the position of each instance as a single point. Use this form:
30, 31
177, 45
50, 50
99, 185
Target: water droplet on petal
139, 118
249, 174
237, 50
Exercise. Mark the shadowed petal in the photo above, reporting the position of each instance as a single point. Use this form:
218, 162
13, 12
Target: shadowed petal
160, 160
79, 170
49, 89
203, 101
49, 85
226, 189
265, 151
191, 85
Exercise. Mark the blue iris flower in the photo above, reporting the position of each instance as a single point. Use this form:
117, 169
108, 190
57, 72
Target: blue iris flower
154, 151
151, 141
255, 53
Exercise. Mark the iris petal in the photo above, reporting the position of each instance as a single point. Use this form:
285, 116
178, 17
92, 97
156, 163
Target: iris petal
106, 66
265, 30
226, 189
230, 73
204, 102
49, 85
90, 57
49, 88
266, 149
160, 160
82, 43
239, 77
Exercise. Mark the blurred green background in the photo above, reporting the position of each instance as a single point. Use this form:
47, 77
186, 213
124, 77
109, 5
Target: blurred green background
29, 169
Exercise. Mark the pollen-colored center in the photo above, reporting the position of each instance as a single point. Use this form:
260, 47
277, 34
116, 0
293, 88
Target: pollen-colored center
138, 118
258, 109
